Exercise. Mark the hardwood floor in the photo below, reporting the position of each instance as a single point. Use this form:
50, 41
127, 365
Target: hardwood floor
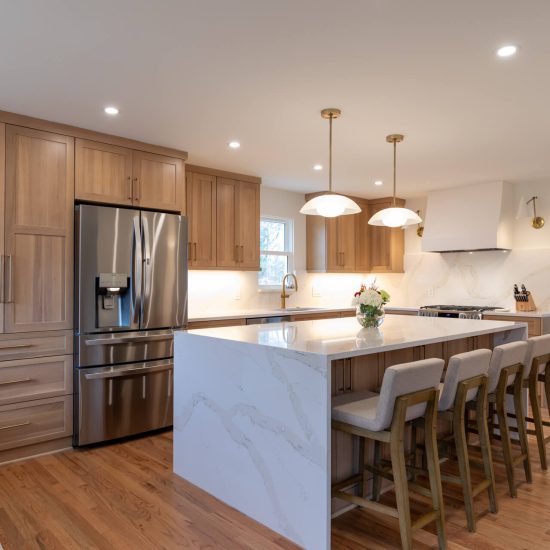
125, 496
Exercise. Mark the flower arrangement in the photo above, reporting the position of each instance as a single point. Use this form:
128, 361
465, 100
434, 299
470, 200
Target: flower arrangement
369, 302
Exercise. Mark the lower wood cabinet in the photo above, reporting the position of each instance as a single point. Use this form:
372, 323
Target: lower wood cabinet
31, 422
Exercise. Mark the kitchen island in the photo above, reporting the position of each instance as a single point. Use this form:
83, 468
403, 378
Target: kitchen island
252, 406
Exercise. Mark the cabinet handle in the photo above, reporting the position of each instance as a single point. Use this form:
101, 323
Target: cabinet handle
2, 294
9, 300
195, 251
242, 253
15, 425
16, 346
136, 193
236, 253
8, 382
343, 259
130, 187
189, 252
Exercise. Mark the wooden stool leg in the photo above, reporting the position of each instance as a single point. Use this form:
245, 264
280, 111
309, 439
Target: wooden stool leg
461, 445
397, 450
432, 458
376, 479
505, 439
362, 444
537, 420
485, 444
522, 428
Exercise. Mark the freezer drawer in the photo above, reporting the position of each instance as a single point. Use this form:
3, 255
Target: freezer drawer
118, 401
94, 350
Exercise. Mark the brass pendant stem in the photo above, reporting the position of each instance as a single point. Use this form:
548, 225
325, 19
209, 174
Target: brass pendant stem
394, 170
330, 154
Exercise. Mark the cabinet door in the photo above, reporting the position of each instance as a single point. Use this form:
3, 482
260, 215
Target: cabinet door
39, 229
247, 214
158, 182
2, 214
103, 173
386, 244
346, 242
226, 245
201, 215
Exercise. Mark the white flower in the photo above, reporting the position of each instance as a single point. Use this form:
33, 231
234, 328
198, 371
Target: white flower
368, 297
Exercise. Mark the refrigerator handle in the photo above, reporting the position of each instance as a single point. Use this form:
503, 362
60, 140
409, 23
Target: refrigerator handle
146, 268
137, 266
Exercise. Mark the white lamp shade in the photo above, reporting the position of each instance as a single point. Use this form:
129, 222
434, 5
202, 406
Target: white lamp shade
330, 205
395, 217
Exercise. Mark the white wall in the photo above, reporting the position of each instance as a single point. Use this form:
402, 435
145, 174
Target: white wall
484, 278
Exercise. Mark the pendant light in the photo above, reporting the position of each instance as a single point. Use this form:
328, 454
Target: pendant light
330, 205
395, 216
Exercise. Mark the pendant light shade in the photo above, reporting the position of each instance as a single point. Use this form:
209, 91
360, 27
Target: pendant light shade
395, 216
330, 205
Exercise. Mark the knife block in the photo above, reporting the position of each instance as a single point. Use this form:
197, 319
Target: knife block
529, 305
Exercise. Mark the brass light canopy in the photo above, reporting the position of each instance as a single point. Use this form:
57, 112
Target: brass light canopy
329, 204
395, 216
537, 222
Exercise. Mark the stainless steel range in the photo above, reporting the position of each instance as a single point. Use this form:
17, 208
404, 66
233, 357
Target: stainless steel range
454, 311
131, 292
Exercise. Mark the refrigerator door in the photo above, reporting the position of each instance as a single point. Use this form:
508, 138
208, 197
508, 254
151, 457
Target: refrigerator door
108, 269
164, 296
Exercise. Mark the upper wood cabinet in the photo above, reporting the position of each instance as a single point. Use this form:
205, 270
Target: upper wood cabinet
38, 286
117, 175
349, 244
158, 181
223, 212
201, 214
2, 212
386, 245
238, 229
103, 173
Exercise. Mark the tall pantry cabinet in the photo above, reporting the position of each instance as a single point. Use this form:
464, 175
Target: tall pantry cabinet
36, 289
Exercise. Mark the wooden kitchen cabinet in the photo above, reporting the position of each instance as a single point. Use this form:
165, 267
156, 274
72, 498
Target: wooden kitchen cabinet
340, 243
349, 244
238, 229
201, 214
223, 213
103, 173
38, 291
158, 182
386, 245
2, 212
110, 174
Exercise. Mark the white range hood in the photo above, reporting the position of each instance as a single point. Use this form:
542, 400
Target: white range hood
472, 217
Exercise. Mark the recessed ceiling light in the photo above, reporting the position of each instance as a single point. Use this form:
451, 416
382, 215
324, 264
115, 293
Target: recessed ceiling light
378, 182
234, 144
317, 166
111, 110
507, 51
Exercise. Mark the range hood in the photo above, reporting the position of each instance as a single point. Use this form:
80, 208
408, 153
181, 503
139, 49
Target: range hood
472, 217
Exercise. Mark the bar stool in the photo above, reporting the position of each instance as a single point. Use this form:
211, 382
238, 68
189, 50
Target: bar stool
506, 371
466, 382
537, 369
409, 391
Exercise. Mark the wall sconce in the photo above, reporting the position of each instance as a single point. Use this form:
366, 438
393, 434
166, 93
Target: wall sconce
537, 221
420, 227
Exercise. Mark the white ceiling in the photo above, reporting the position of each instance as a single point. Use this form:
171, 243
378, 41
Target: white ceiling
195, 74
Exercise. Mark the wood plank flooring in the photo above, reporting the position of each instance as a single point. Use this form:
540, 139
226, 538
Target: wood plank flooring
125, 496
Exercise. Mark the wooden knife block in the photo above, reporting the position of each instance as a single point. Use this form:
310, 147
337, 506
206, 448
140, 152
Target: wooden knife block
526, 306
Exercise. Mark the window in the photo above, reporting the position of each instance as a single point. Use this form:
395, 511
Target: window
276, 257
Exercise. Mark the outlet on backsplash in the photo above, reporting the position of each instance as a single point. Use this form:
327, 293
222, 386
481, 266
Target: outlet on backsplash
316, 292
431, 292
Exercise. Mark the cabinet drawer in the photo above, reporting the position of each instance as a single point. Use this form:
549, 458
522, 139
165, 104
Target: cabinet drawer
35, 344
316, 316
35, 421
28, 379
533, 323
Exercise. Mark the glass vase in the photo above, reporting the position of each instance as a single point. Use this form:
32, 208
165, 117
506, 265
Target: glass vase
369, 320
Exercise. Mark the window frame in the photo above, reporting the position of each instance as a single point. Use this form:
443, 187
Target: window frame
288, 252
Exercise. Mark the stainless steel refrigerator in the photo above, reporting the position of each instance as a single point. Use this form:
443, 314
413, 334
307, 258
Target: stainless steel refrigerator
131, 292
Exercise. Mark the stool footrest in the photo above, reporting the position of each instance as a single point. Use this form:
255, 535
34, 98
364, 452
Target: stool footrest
368, 504
347, 482
422, 521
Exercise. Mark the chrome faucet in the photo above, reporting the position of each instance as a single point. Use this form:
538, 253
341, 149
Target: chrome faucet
284, 295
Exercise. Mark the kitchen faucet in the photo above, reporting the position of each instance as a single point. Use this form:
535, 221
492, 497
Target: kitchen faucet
284, 295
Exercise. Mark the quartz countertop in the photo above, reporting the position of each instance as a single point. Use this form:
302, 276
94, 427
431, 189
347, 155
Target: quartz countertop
343, 337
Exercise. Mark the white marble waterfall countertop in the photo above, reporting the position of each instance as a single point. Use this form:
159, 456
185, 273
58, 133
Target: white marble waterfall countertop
343, 337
